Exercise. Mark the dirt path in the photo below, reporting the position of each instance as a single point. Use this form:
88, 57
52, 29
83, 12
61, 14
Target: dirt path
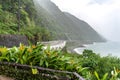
5, 78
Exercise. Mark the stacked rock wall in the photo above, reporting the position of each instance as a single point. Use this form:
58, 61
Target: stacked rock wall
12, 40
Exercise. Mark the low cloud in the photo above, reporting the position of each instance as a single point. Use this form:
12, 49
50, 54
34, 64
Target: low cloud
102, 15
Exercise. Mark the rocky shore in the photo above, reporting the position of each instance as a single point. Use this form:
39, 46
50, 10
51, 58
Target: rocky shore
71, 45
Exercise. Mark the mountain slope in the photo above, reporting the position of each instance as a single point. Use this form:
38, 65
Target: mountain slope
85, 28
65, 25
22, 19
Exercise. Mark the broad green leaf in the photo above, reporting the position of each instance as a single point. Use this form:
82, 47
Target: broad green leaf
4, 58
46, 63
63, 58
80, 69
21, 61
105, 76
97, 76
41, 62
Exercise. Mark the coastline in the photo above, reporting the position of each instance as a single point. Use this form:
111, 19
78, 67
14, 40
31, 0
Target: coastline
102, 48
80, 49
73, 45
77, 51
79, 46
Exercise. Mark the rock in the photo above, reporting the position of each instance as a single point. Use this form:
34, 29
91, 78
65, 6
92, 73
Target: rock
9, 40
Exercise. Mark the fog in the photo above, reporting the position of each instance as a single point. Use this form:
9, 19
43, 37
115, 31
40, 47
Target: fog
102, 15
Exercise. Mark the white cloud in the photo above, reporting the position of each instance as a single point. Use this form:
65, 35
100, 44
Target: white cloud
102, 15
70, 4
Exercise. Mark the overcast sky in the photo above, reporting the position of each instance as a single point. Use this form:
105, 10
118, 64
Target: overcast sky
102, 15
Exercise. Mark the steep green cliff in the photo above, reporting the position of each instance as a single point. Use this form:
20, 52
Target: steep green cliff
42, 20
19, 17
65, 25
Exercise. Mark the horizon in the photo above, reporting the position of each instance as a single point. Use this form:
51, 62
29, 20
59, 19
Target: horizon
102, 15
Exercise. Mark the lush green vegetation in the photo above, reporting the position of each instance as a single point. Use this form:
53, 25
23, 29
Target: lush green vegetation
10, 13
89, 65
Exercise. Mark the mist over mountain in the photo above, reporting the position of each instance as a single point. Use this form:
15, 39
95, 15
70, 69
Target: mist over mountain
64, 25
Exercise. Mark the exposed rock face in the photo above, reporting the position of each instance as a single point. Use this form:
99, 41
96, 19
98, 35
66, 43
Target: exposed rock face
12, 40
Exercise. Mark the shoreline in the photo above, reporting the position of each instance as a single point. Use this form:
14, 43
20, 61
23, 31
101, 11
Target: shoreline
71, 45
76, 46
83, 47
77, 51
102, 48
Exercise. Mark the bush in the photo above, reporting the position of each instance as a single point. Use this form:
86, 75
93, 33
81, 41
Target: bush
89, 65
38, 56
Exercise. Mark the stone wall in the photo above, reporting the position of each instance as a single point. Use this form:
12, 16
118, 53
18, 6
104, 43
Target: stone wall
12, 40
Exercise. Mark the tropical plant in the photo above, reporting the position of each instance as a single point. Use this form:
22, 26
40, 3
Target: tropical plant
105, 76
115, 74
89, 65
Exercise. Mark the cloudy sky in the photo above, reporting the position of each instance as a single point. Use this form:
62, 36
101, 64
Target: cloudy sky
102, 15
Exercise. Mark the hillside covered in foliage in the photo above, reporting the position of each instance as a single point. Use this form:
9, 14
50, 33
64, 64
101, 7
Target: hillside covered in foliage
19, 17
65, 25
42, 20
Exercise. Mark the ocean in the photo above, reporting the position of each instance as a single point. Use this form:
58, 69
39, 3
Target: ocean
104, 49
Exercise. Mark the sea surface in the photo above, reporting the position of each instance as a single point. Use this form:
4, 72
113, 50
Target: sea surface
104, 49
